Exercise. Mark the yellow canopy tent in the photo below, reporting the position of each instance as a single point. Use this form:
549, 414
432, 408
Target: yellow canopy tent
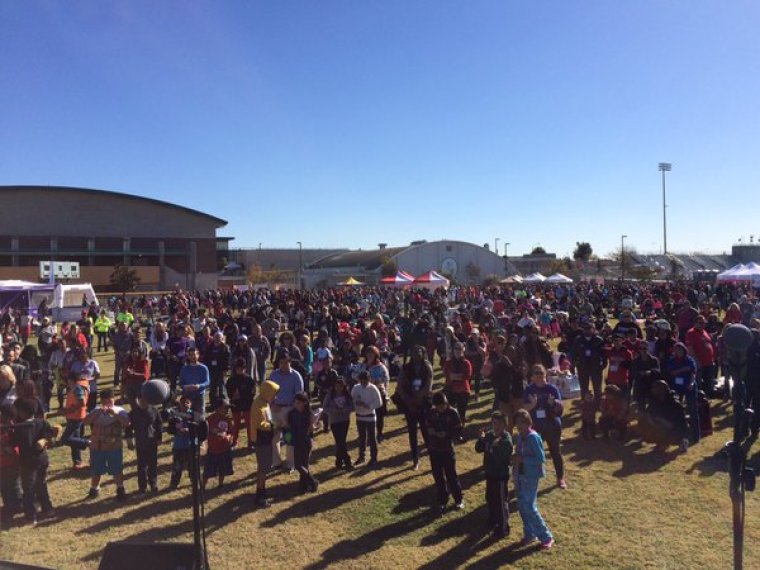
351, 282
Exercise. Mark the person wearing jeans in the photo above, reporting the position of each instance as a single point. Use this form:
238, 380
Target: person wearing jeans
289, 383
413, 391
366, 398
544, 402
338, 406
529, 461
75, 411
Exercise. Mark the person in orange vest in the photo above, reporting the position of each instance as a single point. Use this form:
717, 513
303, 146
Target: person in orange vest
75, 410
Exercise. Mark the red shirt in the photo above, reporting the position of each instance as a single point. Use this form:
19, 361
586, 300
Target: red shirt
700, 343
219, 439
620, 363
137, 371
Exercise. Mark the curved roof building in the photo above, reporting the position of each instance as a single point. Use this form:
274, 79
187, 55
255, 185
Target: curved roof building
166, 243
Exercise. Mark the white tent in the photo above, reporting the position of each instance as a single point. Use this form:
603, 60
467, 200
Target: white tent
512, 279
558, 278
24, 294
69, 300
534, 278
738, 272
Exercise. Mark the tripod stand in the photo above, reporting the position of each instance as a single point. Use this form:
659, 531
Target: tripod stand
199, 512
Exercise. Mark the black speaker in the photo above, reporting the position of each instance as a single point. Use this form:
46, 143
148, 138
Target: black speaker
148, 556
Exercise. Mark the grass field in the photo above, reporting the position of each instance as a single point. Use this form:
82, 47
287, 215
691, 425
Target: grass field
626, 507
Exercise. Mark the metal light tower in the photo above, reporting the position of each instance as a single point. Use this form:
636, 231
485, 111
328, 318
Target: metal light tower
496, 246
300, 265
664, 167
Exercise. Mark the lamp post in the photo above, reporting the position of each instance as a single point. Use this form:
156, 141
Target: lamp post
496, 246
300, 265
664, 167
622, 257
506, 255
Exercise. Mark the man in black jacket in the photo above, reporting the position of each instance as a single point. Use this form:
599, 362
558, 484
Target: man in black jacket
443, 426
144, 434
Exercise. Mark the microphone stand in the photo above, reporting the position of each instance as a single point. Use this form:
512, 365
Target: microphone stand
199, 523
741, 478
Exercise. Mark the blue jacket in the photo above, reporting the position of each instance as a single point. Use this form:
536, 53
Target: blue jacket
531, 448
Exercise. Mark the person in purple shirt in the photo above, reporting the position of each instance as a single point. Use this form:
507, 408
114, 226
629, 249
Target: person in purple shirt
544, 402
194, 380
176, 349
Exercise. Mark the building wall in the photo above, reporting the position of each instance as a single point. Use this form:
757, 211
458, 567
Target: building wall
100, 277
438, 256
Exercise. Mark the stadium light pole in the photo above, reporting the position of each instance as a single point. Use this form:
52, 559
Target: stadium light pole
496, 246
506, 254
664, 167
622, 257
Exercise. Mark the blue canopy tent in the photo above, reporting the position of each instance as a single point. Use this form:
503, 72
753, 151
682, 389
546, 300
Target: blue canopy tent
16, 294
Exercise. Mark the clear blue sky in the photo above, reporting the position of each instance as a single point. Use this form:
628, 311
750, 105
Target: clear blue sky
352, 123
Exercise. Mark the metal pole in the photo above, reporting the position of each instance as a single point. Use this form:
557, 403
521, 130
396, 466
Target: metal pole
496, 246
622, 257
664, 217
300, 265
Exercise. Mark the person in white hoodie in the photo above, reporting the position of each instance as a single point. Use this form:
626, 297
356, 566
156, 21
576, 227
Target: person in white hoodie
367, 399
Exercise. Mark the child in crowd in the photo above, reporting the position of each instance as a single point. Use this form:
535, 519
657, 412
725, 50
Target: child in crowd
444, 426
588, 417
183, 445
263, 435
32, 437
338, 407
529, 462
614, 412
219, 454
496, 447
106, 452
75, 411
241, 389
302, 430
144, 433
324, 381
366, 398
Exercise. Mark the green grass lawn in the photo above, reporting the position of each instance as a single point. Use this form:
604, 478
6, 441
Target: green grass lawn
626, 507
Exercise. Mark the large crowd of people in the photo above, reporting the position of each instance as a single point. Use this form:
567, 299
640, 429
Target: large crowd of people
286, 365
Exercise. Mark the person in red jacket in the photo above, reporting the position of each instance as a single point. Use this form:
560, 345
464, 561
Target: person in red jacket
620, 358
701, 348
219, 455
136, 373
10, 484
458, 373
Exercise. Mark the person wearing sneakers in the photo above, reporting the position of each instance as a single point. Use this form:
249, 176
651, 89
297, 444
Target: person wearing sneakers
75, 411
444, 426
496, 447
366, 398
544, 402
529, 461
106, 453
263, 435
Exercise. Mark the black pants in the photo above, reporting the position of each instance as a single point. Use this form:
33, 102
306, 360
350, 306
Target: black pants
588, 429
147, 465
217, 389
181, 461
459, 401
552, 434
413, 420
301, 455
34, 486
172, 371
102, 341
595, 378
498, 509
445, 475
367, 435
340, 432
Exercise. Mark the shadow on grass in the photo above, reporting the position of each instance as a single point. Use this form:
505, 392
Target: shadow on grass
584, 453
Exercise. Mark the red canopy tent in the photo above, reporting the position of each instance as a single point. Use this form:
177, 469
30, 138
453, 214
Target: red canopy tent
401, 279
431, 280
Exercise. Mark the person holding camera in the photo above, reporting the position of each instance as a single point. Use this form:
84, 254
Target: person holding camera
106, 453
